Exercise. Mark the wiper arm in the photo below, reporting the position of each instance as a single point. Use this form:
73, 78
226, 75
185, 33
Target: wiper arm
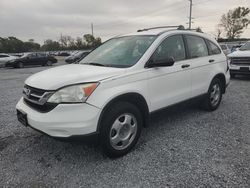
95, 64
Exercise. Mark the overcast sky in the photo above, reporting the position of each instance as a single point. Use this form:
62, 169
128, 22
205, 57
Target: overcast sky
47, 19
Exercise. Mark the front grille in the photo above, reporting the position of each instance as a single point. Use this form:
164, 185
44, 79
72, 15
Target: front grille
240, 61
37, 99
41, 108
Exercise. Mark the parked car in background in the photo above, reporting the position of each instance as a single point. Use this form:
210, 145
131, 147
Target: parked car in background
31, 59
240, 61
4, 58
225, 48
113, 90
235, 48
76, 57
63, 54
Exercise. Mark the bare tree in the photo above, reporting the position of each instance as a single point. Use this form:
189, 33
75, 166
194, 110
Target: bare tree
235, 21
218, 31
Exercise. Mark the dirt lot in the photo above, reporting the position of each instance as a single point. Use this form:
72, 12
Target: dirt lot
183, 147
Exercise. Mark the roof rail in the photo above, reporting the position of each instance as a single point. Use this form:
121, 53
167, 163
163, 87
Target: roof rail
180, 27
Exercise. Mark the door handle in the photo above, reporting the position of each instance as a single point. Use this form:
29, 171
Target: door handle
185, 66
211, 60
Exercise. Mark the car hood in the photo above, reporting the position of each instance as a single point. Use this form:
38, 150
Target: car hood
61, 76
240, 54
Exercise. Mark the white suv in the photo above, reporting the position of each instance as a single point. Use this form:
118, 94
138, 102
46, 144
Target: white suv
240, 61
114, 89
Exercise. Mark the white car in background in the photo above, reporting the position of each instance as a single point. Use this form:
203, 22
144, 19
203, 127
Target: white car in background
4, 58
240, 61
225, 48
115, 88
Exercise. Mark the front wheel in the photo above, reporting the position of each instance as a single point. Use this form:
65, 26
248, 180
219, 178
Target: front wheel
120, 129
20, 65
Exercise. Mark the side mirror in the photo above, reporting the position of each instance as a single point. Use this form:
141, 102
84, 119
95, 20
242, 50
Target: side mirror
162, 63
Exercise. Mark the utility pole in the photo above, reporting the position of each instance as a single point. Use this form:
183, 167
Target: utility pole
92, 29
190, 14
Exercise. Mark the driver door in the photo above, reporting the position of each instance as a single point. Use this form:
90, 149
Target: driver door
171, 84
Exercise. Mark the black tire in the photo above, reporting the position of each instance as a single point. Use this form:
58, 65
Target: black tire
113, 114
49, 63
20, 65
209, 104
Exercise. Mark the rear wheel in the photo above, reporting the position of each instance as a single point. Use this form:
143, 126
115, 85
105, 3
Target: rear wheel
20, 65
120, 129
49, 63
213, 97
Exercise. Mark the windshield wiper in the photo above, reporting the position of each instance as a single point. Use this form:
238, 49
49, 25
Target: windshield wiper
95, 64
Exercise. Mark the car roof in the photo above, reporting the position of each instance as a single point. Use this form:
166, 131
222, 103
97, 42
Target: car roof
157, 32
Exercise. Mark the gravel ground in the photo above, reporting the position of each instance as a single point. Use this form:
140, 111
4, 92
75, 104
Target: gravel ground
182, 147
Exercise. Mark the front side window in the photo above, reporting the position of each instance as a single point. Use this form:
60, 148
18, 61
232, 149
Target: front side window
213, 48
172, 47
119, 52
196, 46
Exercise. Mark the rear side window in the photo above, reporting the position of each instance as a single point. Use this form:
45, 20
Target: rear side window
172, 46
197, 46
213, 48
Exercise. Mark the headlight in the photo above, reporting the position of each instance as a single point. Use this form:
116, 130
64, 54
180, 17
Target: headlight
73, 94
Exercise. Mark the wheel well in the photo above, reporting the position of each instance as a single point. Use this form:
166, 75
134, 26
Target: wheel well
222, 78
134, 98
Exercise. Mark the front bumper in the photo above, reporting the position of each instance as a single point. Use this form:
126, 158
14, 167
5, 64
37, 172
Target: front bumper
65, 120
244, 70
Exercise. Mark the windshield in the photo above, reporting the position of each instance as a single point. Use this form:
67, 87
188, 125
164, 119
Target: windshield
119, 52
245, 47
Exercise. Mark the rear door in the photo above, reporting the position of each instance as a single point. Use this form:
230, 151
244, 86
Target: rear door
32, 60
41, 59
201, 61
169, 85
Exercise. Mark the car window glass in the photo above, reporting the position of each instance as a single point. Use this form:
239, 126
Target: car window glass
223, 47
197, 46
40, 55
213, 49
2, 56
171, 47
32, 55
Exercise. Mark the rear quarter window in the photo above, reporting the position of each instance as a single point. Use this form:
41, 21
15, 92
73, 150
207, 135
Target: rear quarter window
213, 48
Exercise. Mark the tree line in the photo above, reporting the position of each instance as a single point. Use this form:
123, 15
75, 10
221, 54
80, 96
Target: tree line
232, 25
15, 45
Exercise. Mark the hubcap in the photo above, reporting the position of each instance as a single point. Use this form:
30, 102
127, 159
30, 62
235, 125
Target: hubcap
215, 94
123, 131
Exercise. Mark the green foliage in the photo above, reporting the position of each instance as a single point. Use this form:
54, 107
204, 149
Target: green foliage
50, 45
235, 21
14, 45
